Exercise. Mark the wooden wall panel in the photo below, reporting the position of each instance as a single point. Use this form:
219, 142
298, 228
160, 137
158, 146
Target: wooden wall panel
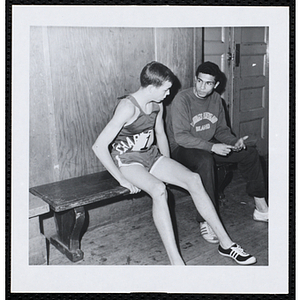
198, 49
90, 68
86, 70
175, 49
41, 158
137, 50
80, 83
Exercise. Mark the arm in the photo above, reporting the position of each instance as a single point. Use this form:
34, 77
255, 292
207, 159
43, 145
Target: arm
223, 133
123, 113
161, 138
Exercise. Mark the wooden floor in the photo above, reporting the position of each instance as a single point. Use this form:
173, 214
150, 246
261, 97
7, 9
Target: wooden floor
135, 241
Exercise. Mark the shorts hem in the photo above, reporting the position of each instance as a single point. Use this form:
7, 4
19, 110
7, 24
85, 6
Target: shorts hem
155, 164
133, 163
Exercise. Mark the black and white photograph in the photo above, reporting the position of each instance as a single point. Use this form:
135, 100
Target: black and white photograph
150, 149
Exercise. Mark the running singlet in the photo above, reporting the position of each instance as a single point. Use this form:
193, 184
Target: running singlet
137, 136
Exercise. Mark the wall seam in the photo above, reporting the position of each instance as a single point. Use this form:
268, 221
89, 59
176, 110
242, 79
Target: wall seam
50, 104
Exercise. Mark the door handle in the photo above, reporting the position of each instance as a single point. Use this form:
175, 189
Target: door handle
229, 56
237, 55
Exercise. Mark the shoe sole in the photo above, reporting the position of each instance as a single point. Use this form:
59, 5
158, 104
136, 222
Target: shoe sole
250, 261
261, 220
210, 241
216, 241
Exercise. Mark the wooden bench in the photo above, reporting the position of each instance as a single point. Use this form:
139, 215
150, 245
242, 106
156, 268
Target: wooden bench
37, 208
68, 199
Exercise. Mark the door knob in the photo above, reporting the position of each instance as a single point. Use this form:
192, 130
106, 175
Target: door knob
229, 56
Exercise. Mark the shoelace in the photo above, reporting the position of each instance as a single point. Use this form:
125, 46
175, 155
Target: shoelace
239, 250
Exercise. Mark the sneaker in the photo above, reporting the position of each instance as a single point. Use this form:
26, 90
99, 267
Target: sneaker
207, 233
260, 216
237, 253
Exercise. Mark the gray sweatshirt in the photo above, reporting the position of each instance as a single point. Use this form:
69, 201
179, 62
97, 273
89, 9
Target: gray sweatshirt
194, 122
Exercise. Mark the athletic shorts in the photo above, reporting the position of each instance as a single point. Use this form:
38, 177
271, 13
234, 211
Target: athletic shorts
146, 158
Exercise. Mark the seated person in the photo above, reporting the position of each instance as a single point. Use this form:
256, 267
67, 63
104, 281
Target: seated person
139, 164
199, 137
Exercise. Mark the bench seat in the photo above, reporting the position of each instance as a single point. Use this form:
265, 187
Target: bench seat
37, 207
75, 192
67, 199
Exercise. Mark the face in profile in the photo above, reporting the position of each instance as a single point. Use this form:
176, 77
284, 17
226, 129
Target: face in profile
161, 92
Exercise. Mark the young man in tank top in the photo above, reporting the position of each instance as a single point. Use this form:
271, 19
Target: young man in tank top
139, 164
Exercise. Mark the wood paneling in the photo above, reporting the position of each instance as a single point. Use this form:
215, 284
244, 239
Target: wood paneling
41, 158
84, 92
137, 48
255, 95
90, 68
77, 73
175, 49
198, 49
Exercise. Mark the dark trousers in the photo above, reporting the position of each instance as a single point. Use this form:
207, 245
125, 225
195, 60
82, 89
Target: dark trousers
203, 163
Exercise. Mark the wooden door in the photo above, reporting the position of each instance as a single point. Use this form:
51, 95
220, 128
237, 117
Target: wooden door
242, 54
250, 86
218, 49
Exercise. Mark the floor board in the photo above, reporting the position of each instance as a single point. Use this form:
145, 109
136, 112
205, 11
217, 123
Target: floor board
135, 241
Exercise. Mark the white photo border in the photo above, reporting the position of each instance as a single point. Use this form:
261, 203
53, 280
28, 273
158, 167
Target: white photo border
172, 279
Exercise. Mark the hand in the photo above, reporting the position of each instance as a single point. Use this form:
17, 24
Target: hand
128, 185
221, 149
239, 145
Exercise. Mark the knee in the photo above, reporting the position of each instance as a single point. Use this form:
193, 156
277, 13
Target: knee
158, 191
205, 162
194, 181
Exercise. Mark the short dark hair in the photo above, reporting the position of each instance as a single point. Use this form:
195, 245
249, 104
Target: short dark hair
209, 68
156, 74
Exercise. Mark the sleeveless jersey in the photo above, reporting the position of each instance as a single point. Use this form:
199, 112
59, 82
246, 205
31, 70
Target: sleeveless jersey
139, 135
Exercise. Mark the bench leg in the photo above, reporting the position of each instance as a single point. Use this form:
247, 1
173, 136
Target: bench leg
69, 225
48, 250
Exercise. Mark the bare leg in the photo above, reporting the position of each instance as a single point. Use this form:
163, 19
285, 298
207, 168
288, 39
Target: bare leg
141, 178
168, 170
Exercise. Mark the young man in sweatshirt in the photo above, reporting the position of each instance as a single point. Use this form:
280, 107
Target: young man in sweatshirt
199, 137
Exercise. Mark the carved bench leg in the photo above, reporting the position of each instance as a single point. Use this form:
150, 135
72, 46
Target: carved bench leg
69, 225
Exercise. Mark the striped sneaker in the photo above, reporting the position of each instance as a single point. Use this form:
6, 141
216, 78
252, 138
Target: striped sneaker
207, 233
237, 253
